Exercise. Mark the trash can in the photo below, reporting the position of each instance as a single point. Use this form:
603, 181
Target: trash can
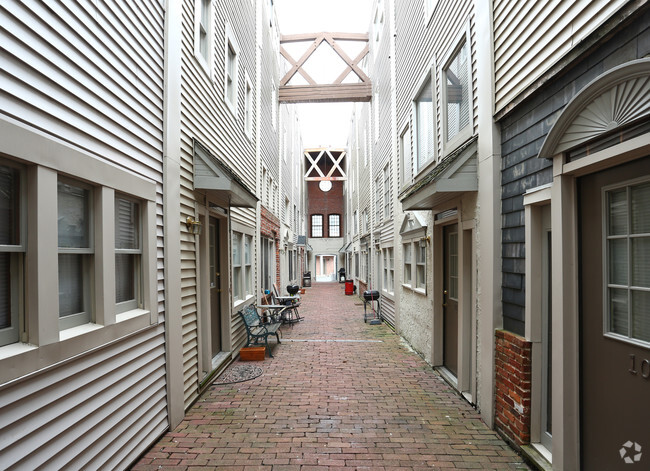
341, 275
306, 280
349, 287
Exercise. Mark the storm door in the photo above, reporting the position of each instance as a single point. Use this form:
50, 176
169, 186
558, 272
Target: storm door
614, 248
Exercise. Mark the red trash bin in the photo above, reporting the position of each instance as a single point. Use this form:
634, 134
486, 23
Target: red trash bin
349, 287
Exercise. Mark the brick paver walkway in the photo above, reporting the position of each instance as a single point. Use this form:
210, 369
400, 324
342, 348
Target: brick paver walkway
339, 394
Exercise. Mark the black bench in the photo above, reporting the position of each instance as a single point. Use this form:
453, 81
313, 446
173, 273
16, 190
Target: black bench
257, 330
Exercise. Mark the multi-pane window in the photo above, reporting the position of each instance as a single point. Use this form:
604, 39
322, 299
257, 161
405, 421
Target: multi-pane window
405, 153
378, 205
248, 108
355, 222
628, 261
268, 258
11, 253
334, 225
231, 73
204, 29
424, 117
356, 264
378, 22
317, 225
248, 264
457, 96
74, 203
128, 252
420, 266
386, 192
366, 226
407, 264
388, 270
237, 291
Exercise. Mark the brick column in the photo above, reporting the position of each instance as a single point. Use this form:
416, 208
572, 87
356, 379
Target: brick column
512, 384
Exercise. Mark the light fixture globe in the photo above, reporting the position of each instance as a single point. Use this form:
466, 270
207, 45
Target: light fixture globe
325, 185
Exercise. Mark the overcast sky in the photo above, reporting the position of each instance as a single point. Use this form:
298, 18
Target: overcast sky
323, 124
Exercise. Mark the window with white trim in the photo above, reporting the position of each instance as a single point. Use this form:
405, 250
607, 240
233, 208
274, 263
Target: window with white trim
408, 267
231, 71
237, 289
456, 97
355, 222
388, 284
378, 204
406, 169
203, 32
248, 108
76, 250
12, 252
424, 117
248, 264
378, 23
334, 225
386, 192
627, 248
317, 225
128, 253
420, 266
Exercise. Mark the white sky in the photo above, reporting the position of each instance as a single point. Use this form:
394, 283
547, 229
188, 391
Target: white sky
323, 124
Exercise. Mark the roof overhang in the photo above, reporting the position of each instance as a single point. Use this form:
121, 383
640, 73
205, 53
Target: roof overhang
219, 182
454, 175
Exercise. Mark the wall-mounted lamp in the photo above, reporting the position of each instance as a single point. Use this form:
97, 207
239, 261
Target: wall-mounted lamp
424, 241
193, 226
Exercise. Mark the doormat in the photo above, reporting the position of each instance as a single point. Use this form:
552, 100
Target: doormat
238, 373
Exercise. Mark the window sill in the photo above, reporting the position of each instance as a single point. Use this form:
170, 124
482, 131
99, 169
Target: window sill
78, 330
132, 314
421, 291
14, 349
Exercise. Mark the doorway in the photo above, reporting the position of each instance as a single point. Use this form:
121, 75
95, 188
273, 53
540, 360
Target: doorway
215, 288
325, 268
450, 298
614, 255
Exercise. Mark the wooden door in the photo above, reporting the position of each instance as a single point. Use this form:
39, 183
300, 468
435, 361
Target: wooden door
450, 298
614, 238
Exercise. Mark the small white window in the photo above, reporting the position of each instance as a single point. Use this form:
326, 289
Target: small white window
378, 22
248, 264
407, 264
12, 250
405, 154
128, 252
203, 33
231, 72
248, 108
378, 203
317, 225
334, 225
237, 291
421, 266
424, 124
386, 192
74, 203
457, 97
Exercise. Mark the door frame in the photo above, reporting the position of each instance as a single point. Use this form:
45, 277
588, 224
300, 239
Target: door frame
206, 363
565, 244
465, 381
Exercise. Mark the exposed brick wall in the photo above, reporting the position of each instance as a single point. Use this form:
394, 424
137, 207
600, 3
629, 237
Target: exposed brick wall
325, 203
513, 380
270, 227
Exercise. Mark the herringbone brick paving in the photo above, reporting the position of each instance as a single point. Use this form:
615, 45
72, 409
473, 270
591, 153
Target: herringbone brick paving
338, 394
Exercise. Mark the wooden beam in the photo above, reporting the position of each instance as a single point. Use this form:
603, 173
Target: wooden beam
295, 38
356, 92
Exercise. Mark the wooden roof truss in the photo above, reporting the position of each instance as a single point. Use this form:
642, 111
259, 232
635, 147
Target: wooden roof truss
333, 92
324, 159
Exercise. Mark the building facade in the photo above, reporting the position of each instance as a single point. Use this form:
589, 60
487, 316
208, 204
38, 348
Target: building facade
83, 306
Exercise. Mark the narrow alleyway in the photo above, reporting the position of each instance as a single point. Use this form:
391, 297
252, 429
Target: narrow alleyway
338, 393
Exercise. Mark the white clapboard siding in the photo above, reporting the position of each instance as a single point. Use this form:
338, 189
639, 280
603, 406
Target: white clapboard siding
531, 37
85, 410
206, 118
387, 310
89, 74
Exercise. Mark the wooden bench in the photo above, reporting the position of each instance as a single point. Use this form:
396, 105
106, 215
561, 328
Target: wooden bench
256, 330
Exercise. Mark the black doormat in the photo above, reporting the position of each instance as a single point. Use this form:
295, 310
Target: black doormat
238, 373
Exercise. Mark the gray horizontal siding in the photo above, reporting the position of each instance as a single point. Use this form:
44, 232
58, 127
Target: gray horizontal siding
523, 133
